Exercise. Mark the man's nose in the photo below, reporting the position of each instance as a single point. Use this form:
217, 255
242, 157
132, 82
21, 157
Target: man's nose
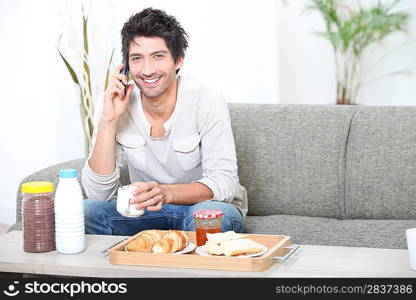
148, 68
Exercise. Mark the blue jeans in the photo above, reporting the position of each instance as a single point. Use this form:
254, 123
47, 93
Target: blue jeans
102, 217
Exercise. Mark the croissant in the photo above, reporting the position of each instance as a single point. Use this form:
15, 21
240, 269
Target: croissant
145, 241
155, 241
173, 241
155, 235
142, 243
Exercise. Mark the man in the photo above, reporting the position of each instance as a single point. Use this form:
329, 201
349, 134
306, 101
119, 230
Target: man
174, 133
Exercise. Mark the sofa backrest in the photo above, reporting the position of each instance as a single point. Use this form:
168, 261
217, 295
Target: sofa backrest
381, 164
315, 160
291, 158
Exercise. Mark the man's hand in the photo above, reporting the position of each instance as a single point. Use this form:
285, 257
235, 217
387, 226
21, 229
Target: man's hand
115, 101
150, 195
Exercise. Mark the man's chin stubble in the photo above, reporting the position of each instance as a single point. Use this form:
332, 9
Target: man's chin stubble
150, 96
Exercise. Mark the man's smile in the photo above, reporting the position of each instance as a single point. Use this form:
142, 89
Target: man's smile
151, 82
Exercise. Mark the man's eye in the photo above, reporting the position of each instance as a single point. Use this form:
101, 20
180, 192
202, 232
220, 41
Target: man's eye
136, 58
159, 56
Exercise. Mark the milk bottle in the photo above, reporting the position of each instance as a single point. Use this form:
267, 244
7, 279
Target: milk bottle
69, 214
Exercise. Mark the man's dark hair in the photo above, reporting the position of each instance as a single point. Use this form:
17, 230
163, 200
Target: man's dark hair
155, 23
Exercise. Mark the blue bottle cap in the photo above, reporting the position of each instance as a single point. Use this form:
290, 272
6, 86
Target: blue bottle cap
68, 173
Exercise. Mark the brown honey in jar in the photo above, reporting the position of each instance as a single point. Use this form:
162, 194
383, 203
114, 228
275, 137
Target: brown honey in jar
206, 221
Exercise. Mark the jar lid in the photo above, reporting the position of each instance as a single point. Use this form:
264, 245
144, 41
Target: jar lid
207, 214
35, 187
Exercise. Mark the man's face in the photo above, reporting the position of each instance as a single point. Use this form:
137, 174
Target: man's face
152, 66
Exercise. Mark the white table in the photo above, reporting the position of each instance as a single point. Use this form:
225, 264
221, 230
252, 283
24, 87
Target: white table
308, 261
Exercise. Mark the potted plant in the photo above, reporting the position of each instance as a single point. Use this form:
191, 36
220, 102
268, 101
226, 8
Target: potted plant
350, 32
84, 83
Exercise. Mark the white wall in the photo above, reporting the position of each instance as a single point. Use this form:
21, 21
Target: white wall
40, 123
305, 62
307, 68
27, 106
254, 51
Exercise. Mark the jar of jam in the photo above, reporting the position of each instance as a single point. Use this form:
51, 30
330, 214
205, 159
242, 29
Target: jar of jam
206, 221
38, 216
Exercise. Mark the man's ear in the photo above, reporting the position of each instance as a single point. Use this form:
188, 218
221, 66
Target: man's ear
179, 63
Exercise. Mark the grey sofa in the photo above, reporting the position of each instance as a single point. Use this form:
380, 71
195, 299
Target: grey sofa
324, 175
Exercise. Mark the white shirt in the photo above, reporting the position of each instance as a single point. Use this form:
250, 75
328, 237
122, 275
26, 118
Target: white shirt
198, 146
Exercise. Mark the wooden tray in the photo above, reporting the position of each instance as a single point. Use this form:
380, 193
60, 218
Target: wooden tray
275, 243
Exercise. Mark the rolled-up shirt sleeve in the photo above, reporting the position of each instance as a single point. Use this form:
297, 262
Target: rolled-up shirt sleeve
219, 161
99, 186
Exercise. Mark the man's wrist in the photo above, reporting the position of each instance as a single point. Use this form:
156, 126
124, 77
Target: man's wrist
107, 123
170, 199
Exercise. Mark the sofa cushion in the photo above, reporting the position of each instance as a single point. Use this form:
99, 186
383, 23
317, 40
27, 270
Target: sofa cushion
381, 164
291, 158
326, 231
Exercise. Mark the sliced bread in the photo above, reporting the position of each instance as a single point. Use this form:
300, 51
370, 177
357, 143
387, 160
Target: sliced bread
240, 246
219, 237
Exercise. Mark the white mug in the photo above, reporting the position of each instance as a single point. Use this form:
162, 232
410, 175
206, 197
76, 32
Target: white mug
125, 194
411, 246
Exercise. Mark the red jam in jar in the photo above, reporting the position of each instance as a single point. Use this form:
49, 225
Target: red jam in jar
207, 221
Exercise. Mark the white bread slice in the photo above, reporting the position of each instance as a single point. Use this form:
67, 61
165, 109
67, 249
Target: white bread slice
213, 248
219, 237
240, 246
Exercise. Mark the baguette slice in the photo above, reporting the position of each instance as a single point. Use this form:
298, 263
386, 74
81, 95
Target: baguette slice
219, 237
240, 246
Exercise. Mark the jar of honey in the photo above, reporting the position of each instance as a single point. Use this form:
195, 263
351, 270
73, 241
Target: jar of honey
206, 221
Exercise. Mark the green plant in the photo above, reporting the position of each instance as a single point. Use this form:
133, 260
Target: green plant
351, 32
86, 97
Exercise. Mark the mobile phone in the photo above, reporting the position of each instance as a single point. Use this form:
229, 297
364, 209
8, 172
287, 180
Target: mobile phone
125, 71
